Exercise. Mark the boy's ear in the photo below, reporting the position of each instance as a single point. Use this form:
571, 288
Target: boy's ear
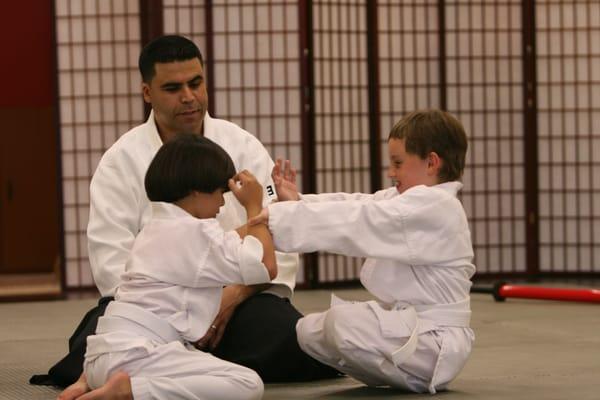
434, 163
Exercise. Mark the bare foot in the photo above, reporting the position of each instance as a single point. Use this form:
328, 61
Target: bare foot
75, 390
117, 387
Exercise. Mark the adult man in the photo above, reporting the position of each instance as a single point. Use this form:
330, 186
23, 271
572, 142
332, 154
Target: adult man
174, 84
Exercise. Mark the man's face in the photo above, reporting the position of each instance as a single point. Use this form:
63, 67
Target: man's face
178, 96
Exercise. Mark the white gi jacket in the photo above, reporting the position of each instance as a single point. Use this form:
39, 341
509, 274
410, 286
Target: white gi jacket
179, 265
169, 295
419, 251
119, 207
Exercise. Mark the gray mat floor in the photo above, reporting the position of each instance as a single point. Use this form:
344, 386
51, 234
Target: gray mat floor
525, 349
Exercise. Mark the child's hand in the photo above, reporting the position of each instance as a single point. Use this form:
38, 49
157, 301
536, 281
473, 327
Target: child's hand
262, 218
285, 181
248, 191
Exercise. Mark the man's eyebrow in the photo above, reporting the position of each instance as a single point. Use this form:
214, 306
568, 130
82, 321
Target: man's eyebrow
178, 84
170, 84
195, 78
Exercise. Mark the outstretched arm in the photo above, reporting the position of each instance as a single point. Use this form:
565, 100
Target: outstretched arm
284, 178
414, 228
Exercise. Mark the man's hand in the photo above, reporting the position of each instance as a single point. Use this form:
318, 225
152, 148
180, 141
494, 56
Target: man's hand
229, 301
285, 180
232, 297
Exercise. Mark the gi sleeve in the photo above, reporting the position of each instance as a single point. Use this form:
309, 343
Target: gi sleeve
417, 228
233, 260
315, 198
114, 221
341, 196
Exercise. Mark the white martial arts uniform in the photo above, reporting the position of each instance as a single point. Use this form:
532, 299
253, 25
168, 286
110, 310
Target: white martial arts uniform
119, 207
168, 297
416, 334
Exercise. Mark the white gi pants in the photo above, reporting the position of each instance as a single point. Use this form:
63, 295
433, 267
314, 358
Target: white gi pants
349, 337
160, 366
171, 371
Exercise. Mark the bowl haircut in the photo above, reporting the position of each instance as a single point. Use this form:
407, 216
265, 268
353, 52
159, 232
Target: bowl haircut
185, 164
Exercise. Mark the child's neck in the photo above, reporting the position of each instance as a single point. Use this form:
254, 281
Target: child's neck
188, 205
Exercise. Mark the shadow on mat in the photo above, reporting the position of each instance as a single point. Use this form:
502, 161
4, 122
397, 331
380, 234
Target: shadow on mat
365, 392
368, 393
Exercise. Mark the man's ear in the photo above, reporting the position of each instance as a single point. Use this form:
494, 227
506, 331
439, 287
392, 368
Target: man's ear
146, 93
434, 163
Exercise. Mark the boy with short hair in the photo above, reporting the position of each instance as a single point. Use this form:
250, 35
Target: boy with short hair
173, 282
416, 238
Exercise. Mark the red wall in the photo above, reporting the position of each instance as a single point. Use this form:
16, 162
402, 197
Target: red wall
30, 212
27, 67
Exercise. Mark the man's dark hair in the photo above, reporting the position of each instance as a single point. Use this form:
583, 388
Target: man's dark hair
187, 163
425, 131
165, 49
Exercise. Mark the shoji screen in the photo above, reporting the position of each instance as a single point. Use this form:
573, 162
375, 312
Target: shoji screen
467, 57
568, 60
484, 90
341, 112
99, 94
187, 18
409, 65
256, 67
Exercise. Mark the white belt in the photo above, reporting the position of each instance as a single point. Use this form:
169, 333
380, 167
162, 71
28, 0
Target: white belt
428, 317
453, 314
422, 318
131, 318
400, 355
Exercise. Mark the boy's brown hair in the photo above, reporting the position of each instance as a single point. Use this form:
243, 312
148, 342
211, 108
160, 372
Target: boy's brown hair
434, 130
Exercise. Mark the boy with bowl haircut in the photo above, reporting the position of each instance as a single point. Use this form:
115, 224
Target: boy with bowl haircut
173, 282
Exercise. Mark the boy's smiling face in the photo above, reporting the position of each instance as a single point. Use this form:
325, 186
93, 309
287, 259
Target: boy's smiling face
408, 170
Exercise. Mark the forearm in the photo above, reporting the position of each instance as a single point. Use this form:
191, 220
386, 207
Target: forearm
337, 196
287, 268
341, 196
264, 236
240, 293
261, 232
343, 227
